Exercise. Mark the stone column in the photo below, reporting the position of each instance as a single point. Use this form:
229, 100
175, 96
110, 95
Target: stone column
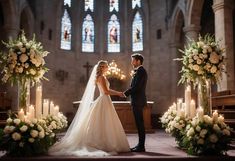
224, 31
191, 32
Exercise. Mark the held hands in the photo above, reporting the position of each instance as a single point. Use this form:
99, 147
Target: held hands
121, 94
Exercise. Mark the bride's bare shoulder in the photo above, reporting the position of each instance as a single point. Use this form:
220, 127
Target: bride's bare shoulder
100, 78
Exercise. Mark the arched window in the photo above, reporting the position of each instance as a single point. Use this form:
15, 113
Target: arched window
89, 5
113, 34
65, 31
136, 3
137, 33
88, 34
113, 5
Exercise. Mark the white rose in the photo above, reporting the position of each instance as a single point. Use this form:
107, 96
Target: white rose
195, 57
24, 128
195, 67
16, 136
190, 132
203, 133
226, 132
17, 121
200, 72
199, 61
24, 58
41, 134
198, 128
190, 66
208, 119
190, 60
216, 127
213, 138
31, 140
213, 69
34, 133
200, 141
214, 58
201, 56
9, 120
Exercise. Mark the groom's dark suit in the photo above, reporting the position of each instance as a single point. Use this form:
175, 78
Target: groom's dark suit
138, 100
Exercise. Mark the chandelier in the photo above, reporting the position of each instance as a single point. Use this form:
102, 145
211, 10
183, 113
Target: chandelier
115, 72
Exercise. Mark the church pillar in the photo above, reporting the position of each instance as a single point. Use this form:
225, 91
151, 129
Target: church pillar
191, 32
224, 32
175, 68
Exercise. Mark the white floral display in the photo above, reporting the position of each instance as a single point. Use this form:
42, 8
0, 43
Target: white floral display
23, 60
31, 137
203, 58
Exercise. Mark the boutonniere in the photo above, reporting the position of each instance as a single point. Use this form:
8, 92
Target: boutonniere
133, 73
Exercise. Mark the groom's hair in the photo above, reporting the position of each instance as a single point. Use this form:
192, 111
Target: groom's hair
139, 57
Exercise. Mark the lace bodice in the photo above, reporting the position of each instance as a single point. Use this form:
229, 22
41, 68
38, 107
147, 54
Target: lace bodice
101, 90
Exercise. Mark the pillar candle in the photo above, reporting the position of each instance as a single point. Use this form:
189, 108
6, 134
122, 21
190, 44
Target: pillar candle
187, 97
56, 110
45, 107
32, 112
21, 114
179, 105
200, 113
52, 108
192, 109
38, 101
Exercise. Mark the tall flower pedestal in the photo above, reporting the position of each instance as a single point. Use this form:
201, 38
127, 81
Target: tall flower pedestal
204, 95
23, 94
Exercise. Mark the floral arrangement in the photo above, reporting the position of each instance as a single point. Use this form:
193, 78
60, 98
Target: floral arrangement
31, 137
167, 117
56, 123
200, 135
207, 136
23, 61
203, 58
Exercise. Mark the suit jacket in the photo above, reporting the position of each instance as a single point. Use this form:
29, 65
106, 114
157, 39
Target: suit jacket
137, 88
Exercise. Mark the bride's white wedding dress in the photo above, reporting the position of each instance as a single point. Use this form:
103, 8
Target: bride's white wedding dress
99, 134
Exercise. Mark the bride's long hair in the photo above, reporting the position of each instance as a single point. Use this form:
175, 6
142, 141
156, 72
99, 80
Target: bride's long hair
100, 66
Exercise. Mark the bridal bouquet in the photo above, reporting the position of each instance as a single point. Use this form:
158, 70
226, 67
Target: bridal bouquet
207, 136
23, 60
203, 58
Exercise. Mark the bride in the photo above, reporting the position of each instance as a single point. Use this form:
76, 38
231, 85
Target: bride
96, 129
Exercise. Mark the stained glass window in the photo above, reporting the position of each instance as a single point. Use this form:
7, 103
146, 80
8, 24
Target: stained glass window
137, 33
89, 4
68, 2
88, 34
65, 31
113, 5
136, 3
113, 34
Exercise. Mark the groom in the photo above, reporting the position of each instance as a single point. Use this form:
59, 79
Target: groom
138, 98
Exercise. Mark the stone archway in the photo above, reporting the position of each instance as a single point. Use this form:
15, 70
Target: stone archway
194, 12
27, 21
178, 40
